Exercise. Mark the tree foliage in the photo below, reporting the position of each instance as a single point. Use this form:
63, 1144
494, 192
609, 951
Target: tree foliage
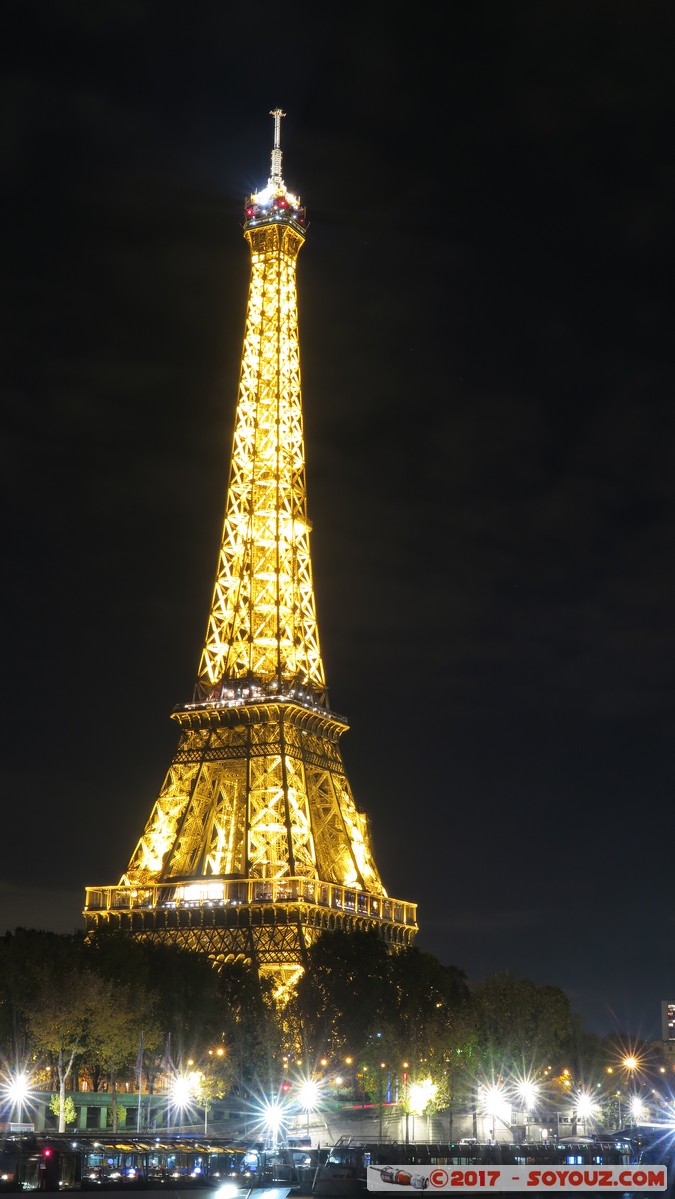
519, 1022
80, 1008
58, 1014
342, 999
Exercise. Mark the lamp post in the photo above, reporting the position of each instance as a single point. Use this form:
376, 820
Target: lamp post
529, 1093
272, 1119
585, 1109
309, 1097
363, 1076
422, 1095
494, 1104
383, 1066
637, 1110
630, 1064
349, 1063
181, 1096
17, 1090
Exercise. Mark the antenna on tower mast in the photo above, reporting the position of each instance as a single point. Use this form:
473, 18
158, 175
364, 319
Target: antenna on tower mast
275, 179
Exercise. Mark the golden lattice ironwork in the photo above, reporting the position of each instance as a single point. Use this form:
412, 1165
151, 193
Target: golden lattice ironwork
255, 844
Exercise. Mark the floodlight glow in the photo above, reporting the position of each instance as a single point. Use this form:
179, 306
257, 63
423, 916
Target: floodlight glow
18, 1088
585, 1106
273, 1116
198, 892
420, 1095
494, 1103
15, 1088
528, 1092
182, 1090
637, 1109
309, 1094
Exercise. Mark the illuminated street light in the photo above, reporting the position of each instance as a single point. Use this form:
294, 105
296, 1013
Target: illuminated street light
181, 1090
637, 1109
586, 1108
529, 1093
15, 1088
420, 1096
270, 1116
406, 1105
273, 1118
495, 1105
383, 1066
309, 1096
182, 1095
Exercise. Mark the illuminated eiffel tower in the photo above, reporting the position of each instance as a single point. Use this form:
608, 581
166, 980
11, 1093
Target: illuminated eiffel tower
255, 845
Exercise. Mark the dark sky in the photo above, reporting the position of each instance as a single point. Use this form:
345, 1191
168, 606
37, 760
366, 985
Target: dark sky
486, 320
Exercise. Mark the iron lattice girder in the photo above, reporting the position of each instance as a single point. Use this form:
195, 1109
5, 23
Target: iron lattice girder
269, 935
256, 791
263, 615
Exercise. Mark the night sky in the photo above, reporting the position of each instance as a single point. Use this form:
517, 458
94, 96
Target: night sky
486, 322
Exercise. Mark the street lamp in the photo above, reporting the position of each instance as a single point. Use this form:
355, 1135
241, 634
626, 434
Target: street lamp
406, 1109
383, 1066
528, 1091
181, 1096
273, 1117
494, 1105
585, 1108
309, 1095
17, 1090
422, 1094
637, 1109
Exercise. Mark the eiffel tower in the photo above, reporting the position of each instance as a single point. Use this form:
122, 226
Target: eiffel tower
255, 844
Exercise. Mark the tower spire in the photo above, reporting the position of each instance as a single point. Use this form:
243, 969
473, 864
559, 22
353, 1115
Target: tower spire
255, 844
262, 637
275, 180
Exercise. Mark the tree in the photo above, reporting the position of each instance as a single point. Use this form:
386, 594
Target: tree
211, 1083
114, 1031
69, 1109
23, 955
58, 1020
521, 1025
343, 997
